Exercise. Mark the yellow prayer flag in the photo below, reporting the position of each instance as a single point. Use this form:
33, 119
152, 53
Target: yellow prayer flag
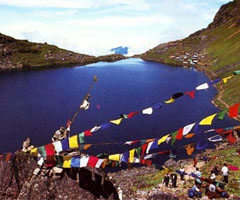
225, 80
114, 157
170, 101
73, 142
208, 120
131, 155
117, 121
86, 146
67, 162
34, 152
163, 139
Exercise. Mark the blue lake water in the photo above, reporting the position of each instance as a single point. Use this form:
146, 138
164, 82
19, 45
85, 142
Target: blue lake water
36, 103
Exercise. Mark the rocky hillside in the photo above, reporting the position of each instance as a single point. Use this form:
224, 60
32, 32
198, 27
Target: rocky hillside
215, 49
17, 181
24, 55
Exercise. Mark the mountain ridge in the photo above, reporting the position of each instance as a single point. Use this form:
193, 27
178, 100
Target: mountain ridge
24, 55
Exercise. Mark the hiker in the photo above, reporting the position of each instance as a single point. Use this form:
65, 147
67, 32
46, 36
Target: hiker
194, 192
213, 175
215, 170
199, 175
182, 171
225, 173
174, 180
166, 179
212, 191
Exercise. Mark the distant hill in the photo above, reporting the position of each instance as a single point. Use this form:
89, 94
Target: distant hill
120, 50
23, 55
215, 49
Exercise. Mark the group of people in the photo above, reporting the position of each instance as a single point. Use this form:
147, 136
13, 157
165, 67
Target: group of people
213, 188
170, 178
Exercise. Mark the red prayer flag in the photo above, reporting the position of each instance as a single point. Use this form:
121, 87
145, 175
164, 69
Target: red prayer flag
50, 161
179, 134
130, 115
191, 94
92, 161
87, 133
50, 150
231, 139
219, 131
68, 123
233, 110
146, 162
144, 147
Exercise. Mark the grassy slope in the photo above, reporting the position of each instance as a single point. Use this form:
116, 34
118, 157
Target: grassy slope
222, 50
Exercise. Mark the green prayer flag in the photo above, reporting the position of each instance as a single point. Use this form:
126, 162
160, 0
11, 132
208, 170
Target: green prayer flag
236, 72
42, 151
138, 151
81, 138
59, 161
173, 137
221, 114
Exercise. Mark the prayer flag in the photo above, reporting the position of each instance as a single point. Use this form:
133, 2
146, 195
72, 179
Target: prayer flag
173, 137
203, 86
42, 151
49, 149
190, 135
34, 152
215, 81
208, 120
59, 161
66, 161
95, 128
86, 146
81, 138
149, 140
138, 151
147, 111
149, 156
58, 146
125, 157
179, 134
130, 115
158, 105
105, 126
221, 114
215, 138
131, 142
177, 95
149, 147
75, 162
114, 157
233, 110
124, 116
92, 161
84, 161
225, 80
99, 163
117, 121
65, 144
188, 128
131, 155
163, 139
87, 133
144, 147
171, 100
73, 142
191, 94
190, 149
220, 131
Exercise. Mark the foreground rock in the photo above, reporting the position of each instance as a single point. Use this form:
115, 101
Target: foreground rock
17, 181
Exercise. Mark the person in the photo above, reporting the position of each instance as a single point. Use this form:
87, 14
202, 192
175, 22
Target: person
194, 192
166, 179
215, 170
225, 173
199, 175
182, 171
195, 162
213, 175
174, 180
